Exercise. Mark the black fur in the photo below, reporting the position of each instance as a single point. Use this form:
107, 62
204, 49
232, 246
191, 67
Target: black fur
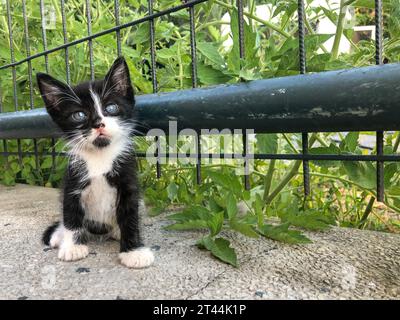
63, 103
48, 232
128, 207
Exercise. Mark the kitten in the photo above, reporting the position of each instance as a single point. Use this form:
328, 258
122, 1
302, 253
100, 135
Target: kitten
100, 193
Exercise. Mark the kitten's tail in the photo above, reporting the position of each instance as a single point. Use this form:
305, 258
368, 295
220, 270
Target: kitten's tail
49, 232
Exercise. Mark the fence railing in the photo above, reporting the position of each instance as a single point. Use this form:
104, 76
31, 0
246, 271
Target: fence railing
351, 100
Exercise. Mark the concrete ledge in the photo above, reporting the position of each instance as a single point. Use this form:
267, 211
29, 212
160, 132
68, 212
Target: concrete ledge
340, 264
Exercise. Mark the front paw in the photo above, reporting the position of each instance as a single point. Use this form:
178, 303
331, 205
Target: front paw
73, 252
138, 258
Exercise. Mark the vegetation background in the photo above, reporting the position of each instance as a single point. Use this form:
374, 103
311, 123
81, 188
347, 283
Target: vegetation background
343, 193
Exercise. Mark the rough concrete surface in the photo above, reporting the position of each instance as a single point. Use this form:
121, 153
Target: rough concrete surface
339, 264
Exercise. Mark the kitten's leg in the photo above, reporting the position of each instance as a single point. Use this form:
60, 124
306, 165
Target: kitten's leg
72, 246
133, 254
116, 232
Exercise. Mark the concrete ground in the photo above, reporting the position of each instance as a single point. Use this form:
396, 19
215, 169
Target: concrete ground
340, 263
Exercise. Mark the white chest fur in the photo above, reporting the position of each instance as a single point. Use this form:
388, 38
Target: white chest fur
99, 201
100, 161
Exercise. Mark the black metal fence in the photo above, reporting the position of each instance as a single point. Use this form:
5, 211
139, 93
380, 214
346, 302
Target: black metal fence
304, 93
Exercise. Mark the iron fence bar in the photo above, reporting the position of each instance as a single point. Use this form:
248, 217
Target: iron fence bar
193, 54
90, 41
44, 36
302, 64
295, 156
154, 77
380, 185
28, 53
31, 153
117, 23
105, 32
273, 156
359, 99
14, 73
65, 36
239, 5
46, 65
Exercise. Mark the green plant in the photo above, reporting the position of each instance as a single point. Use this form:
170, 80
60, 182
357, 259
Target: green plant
343, 192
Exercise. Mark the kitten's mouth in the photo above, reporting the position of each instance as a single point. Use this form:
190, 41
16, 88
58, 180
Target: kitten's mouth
102, 140
101, 134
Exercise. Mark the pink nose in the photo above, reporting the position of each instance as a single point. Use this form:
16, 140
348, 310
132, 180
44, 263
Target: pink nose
101, 129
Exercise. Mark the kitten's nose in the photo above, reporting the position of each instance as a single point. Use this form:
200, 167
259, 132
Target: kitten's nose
98, 124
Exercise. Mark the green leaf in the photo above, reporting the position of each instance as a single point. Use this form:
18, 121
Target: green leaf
250, 74
188, 225
330, 14
390, 170
282, 233
214, 206
332, 149
231, 206
285, 7
15, 167
243, 228
362, 173
250, 38
167, 53
215, 223
234, 55
47, 163
220, 248
350, 142
313, 41
210, 51
364, 3
394, 190
172, 190
9, 178
210, 76
183, 194
258, 209
226, 180
191, 213
267, 143
309, 219
318, 62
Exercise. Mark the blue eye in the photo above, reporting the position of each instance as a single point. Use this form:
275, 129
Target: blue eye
79, 116
112, 109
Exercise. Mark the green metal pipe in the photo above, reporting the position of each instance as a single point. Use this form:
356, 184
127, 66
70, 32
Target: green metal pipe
362, 99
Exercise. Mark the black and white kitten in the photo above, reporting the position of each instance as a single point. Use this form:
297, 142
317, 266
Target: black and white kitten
101, 194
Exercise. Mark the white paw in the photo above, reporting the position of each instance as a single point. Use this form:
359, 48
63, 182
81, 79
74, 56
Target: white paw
56, 237
73, 252
139, 258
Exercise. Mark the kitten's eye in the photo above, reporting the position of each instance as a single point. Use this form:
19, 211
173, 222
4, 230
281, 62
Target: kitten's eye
79, 116
112, 109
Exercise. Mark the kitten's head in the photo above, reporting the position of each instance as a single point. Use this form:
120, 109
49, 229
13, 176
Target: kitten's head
95, 114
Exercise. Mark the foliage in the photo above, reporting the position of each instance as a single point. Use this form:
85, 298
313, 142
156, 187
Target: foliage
343, 192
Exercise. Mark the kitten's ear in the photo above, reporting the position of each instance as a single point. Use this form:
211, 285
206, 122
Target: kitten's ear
53, 91
117, 80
